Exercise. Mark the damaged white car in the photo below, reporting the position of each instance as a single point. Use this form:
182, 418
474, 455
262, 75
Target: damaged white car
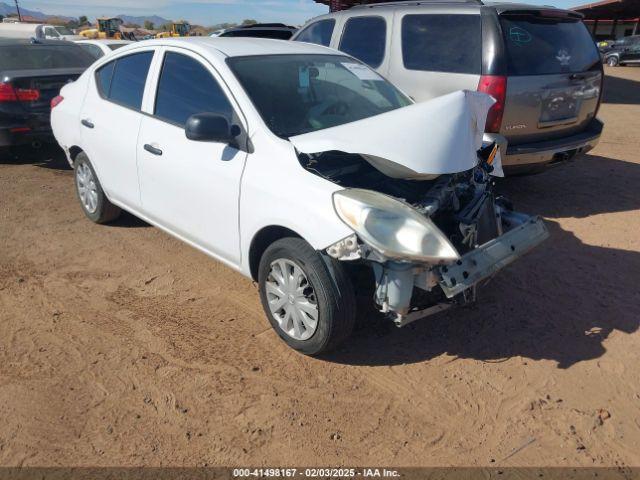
292, 163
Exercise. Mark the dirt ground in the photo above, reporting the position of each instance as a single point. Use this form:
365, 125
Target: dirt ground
122, 346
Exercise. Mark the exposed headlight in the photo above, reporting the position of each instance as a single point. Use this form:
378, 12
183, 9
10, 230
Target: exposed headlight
394, 229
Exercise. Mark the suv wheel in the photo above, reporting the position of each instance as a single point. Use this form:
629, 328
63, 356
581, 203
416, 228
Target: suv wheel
309, 299
95, 204
612, 61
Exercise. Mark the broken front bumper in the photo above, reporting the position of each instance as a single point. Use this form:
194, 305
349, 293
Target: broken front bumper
491, 257
458, 280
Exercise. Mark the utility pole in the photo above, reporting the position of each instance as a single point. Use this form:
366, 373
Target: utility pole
18, 8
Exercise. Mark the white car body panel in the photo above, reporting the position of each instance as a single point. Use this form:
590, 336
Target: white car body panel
211, 196
422, 140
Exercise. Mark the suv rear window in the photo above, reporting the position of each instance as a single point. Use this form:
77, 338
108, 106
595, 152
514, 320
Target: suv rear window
442, 43
538, 45
25, 57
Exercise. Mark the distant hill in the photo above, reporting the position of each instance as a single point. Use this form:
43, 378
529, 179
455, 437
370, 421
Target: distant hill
155, 19
6, 9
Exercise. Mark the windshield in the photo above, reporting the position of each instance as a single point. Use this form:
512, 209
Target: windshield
182, 28
63, 31
538, 45
297, 94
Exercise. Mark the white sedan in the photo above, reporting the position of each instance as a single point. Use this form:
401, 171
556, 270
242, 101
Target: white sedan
100, 48
299, 167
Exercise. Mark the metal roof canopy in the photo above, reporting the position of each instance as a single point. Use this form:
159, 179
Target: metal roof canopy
604, 9
610, 9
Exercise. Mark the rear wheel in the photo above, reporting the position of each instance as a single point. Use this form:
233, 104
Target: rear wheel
95, 204
309, 299
613, 61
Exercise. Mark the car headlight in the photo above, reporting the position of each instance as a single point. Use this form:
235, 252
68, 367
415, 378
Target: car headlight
393, 228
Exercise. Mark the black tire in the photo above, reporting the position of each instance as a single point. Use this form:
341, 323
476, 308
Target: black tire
613, 61
333, 291
105, 211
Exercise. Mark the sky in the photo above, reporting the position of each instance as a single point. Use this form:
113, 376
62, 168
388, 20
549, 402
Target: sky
206, 12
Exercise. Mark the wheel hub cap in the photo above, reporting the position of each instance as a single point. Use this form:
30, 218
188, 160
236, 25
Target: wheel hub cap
292, 300
87, 188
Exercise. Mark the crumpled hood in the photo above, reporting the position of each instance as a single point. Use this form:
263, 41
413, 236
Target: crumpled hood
422, 140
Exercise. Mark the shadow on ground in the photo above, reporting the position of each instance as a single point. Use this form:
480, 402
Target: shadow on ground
558, 303
48, 156
621, 90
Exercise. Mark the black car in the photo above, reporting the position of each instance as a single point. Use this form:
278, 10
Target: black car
625, 51
277, 31
31, 75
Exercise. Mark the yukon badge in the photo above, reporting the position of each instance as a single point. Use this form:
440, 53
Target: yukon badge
520, 126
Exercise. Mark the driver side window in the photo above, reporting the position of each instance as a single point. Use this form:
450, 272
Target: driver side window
50, 32
185, 88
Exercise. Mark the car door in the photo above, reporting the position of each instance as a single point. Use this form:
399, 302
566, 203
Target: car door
631, 54
188, 187
110, 121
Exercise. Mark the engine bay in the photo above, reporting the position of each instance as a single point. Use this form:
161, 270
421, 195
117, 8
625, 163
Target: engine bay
462, 205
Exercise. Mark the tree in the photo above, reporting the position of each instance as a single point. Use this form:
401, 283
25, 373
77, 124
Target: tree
249, 21
148, 25
82, 19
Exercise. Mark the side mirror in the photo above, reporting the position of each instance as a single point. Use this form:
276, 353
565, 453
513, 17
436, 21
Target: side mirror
210, 127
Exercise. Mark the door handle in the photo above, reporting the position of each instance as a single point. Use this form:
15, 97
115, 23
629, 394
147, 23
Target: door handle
152, 149
87, 123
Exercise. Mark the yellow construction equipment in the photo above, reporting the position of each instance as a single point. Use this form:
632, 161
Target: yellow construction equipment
178, 29
107, 27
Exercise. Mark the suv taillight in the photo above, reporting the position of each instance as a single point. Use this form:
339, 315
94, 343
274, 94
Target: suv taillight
496, 86
55, 101
595, 114
10, 94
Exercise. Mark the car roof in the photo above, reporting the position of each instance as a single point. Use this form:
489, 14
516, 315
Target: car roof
27, 41
104, 41
262, 26
457, 6
238, 46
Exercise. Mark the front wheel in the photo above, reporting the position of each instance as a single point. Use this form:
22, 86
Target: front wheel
309, 299
613, 61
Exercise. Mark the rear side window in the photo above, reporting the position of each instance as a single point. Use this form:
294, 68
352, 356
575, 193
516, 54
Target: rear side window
442, 43
34, 56
540, 45
103, 78
185, 88
318, 33
94, 50
365, 38
123, 80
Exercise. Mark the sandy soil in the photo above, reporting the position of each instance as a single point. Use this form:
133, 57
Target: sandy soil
121, 346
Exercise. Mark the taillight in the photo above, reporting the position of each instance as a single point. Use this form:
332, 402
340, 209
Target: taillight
496, 86
55, 101
10, 94
7, 93
595, 114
